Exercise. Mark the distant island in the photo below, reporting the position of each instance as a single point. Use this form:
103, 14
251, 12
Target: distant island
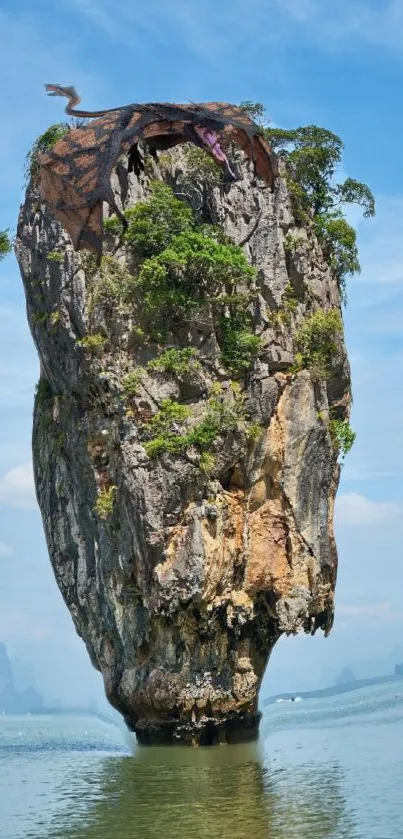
31, 701
344, 683
13, 701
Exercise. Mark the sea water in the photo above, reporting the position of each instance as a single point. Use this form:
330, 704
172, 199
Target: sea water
323, 769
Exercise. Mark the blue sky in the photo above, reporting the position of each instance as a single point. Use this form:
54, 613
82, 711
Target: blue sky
337, 63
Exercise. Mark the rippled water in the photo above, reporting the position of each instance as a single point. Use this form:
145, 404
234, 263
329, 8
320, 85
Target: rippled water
324, 769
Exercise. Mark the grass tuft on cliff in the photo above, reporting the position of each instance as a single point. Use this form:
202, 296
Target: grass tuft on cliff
173, 432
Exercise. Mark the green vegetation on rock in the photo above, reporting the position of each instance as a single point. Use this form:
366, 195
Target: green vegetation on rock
176, 361
55, 318
239, 345
182, 267
219, 418
207, 463
183, 274
170, 413
5, 244
316, 342
339, 246
343, 437
45, 142
43, 390
55, 256
132, 381
292, 241
201, 166
193, 271
313, 156
94, 343
105, 502
113, 283
152, 224
289, 306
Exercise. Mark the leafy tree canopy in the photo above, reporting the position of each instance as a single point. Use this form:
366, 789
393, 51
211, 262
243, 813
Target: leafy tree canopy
313, 156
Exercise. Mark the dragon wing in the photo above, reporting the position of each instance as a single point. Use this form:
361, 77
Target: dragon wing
75, 176
75, 173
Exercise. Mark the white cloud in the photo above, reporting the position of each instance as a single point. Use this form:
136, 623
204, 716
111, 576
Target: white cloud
334, 23
17, 487
193, 22
362, 474
381, 252
204, 27
15, 625
5, 550
371, 612
358, 511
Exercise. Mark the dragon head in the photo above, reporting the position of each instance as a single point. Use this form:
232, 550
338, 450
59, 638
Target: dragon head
69, 92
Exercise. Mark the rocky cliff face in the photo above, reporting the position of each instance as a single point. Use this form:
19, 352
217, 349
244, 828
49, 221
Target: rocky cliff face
181, 571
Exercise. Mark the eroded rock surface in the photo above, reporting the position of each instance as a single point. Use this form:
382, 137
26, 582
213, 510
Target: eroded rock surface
182, 588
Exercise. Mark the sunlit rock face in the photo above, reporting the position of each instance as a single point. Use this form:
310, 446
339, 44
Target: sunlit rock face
180, 581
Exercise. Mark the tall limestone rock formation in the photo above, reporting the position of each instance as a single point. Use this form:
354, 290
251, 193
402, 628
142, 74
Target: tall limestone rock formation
187, 503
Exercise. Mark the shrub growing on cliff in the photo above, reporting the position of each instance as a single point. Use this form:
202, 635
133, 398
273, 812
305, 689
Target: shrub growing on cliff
176, 361
105, 502
93, 344
202, 167
339, 246
170, 414
191, 273
207, 463
113, 283
46, 141
55, 256
165, 428
5, 244
43, 390
342, 435
155, 222
239, 345
193, 269
313, 155
219, 418
131, 382
256, 111
187, 272
316, 342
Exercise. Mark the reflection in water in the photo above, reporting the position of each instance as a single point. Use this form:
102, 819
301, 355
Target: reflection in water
216, 793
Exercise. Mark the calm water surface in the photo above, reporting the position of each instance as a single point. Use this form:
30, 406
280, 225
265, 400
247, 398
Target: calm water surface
324, 769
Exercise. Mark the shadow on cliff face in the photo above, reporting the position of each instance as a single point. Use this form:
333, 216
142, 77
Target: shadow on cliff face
224, 792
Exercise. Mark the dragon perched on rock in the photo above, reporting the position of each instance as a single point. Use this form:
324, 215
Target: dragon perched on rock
75, 173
